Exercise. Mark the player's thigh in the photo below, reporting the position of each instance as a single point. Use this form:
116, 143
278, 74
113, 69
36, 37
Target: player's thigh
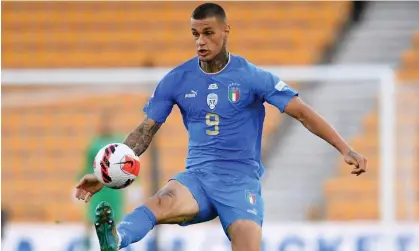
245, 235
173, 203
240, 200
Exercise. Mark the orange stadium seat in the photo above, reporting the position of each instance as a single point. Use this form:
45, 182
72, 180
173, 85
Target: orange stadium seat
416, 40
363, 210
411, 57
409, 70
107, 34
408, 75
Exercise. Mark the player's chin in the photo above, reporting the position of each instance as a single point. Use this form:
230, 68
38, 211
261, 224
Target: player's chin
205, 58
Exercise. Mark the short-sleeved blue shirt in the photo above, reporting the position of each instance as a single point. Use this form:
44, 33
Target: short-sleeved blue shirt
223, 112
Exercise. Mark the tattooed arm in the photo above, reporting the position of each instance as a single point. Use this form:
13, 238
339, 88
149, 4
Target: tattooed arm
139, 139
297, 109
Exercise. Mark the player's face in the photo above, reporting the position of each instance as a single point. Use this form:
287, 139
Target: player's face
107, 124
210, 35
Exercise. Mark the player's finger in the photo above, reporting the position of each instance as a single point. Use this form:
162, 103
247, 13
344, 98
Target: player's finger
357, 171
365, 164
361, 163
78, 193
88, 196
352, 161
83, 194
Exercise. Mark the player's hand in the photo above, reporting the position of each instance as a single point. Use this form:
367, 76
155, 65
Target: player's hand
87, 187
357, 160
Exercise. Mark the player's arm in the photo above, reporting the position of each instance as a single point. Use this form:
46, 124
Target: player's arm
274, 91
140, 138
316, 124
157, 110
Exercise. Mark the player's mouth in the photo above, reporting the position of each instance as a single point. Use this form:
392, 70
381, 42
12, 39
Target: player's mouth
203, 52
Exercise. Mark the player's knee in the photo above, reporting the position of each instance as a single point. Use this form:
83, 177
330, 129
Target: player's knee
162, 204
245, 235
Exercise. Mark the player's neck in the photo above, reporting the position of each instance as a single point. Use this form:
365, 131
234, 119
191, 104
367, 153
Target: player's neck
217, 64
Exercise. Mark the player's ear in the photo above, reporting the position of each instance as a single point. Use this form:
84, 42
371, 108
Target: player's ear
227, 29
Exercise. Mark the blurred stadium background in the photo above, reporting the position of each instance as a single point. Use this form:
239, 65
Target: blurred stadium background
64, 64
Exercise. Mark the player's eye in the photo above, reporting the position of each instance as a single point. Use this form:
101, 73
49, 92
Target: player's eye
195, 34
209, 33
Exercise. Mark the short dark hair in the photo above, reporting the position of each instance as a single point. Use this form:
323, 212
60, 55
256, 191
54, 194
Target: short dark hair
207, 10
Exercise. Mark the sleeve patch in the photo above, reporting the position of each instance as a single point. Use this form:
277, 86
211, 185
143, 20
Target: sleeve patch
280, 86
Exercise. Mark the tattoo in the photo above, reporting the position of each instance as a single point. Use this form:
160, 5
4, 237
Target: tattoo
217, 63
139, 139
164, 193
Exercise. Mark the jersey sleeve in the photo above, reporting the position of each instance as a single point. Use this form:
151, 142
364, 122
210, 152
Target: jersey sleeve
161, 102
272, 89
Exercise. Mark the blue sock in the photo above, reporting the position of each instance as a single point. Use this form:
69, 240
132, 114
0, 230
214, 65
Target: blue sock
136, 225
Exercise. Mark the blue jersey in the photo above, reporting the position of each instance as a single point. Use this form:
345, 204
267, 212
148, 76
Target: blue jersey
223, 112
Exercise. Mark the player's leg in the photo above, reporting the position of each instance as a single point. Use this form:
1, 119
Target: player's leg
240, 208
245, 235
242, 224
172, 204
181, 200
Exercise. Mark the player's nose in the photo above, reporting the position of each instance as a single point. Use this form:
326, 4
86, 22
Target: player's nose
200, 41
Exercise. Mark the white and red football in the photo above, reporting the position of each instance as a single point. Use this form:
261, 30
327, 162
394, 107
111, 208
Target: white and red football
116, 165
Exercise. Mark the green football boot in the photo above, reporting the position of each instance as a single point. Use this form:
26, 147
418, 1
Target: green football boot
105, 227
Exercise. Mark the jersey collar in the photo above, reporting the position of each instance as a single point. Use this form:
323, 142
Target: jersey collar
218, 72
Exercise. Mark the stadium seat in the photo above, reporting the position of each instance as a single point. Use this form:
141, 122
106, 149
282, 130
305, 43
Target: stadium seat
416, 40
411, 57
110, 34
408, 71
364, 210
343, 188
408, 75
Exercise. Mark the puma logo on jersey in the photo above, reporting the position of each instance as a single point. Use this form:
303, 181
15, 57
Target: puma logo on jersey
192, 94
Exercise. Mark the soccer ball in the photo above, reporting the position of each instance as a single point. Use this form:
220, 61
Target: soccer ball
116, 165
